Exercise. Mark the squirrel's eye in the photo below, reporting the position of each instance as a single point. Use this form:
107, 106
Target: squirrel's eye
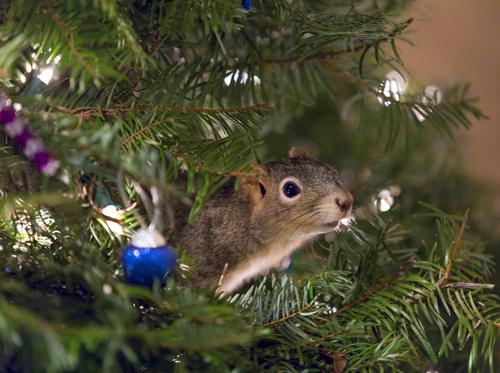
290, 189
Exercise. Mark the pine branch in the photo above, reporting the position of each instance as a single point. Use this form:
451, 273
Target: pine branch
63, 29
88, 112
453, 252
325, 56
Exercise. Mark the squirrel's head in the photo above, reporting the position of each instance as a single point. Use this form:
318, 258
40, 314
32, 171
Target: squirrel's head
297, 195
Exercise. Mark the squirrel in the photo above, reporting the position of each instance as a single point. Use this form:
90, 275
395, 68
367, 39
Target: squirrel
242, 233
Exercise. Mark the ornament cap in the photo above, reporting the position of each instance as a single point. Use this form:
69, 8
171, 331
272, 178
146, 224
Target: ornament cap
149, 237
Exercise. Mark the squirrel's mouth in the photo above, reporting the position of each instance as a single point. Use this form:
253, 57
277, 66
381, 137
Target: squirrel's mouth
333, 224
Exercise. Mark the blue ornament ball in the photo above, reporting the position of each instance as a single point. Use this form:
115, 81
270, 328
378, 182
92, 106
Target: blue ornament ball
148, 257
247, 4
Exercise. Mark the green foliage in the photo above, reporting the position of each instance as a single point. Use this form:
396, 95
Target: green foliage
388, 306
147, 92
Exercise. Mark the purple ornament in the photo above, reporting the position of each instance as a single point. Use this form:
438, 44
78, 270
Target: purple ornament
23, 137
7, 115
30, 144
49, 168
41, 159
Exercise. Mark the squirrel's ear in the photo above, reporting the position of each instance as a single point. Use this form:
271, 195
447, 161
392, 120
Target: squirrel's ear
298, 152
259, 169
255, 183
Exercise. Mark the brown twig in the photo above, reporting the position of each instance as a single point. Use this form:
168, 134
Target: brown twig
89, 112
468, 285
383, 234
453, 252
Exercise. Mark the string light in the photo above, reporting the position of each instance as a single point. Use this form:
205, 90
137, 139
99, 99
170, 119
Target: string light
112, 211
46, 74
384, 200
107, 289
392, 88
431, 95
235, 76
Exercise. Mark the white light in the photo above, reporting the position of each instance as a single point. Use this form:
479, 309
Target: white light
107, 289
397, 80
46, 74
57, 59
112, 212
393, 87
136, 253
419, 113
235, 76
385, 205
432, 95
22, 227
384, 200
330, 310
27, 67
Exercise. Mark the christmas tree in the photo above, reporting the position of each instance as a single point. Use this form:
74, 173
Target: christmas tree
107, 105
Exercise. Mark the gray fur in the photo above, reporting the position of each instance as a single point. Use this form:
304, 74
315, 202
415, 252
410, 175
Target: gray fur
237, 225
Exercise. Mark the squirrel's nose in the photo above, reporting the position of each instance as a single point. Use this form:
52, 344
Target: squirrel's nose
345, 202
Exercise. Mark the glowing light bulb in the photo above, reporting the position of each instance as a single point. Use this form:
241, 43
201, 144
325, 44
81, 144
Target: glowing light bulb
27, 67
392, 87
432, 95
398, 81
384, 200
57, 59
46, 74
113, 212
107, 289
235, 76
418, 111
